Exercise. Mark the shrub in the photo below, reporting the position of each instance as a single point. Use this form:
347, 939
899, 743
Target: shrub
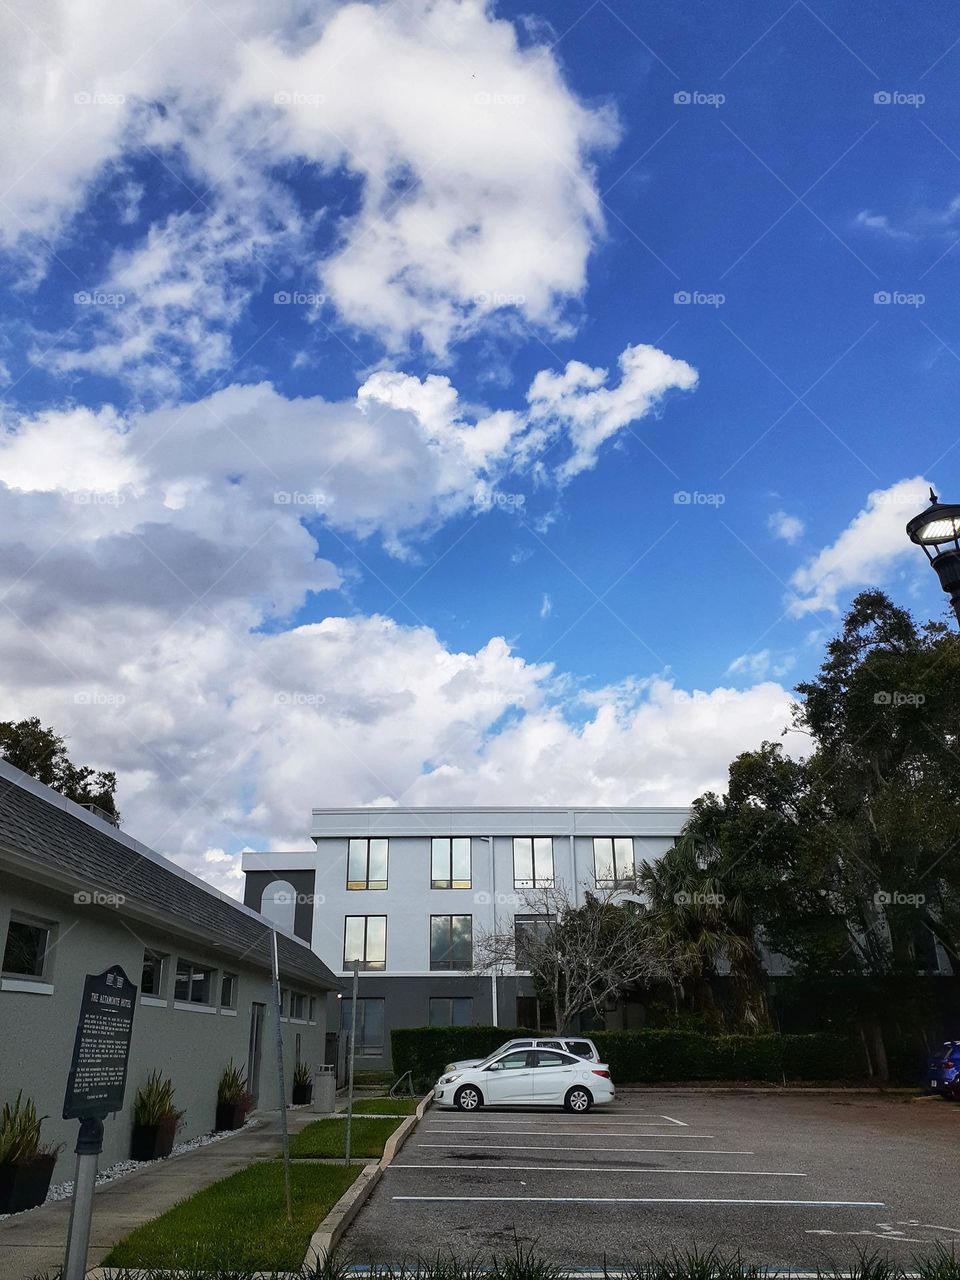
232, 1089
651, 1057
154, 1102
19, 1131
303, 1074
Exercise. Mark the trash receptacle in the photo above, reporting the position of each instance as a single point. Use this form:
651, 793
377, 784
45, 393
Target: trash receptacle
324, 1090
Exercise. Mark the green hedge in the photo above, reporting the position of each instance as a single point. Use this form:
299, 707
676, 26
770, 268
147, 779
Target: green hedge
642, 1057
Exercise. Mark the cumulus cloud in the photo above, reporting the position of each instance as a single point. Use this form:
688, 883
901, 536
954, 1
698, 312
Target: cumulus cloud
469, 157
224, 739
865, 551
789, 528
591, 412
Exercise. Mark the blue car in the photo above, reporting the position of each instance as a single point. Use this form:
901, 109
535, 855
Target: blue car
943, 1071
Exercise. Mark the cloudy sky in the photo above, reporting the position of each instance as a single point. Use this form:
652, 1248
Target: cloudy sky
439, 402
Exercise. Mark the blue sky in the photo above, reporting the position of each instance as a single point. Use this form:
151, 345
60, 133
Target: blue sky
459, 200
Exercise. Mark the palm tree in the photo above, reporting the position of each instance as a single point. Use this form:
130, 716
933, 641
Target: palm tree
696, 911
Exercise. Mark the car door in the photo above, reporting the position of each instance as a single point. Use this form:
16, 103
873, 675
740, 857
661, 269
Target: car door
508, 1081
552, 1077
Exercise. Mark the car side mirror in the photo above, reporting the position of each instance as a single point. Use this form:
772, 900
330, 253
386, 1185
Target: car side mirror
495, 1066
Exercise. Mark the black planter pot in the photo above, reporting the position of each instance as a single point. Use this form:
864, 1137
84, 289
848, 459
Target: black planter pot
24, 1186
152, 1141
230, 1115
302, 1093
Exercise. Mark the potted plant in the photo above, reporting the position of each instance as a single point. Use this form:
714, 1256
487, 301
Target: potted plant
26, 1166
302, 1083
155, 1119
233, 1100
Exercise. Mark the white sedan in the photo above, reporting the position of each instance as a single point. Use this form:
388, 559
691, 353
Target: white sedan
527, 1078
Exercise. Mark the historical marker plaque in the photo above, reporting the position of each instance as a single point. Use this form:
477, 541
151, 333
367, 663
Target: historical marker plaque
98, 1072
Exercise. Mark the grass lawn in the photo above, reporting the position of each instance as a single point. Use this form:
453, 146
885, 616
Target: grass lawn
239, 1222
385, 1106
327, 1137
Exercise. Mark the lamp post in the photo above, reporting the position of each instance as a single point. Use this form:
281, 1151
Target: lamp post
937, 530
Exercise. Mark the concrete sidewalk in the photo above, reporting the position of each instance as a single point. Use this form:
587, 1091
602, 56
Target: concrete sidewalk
33, 1242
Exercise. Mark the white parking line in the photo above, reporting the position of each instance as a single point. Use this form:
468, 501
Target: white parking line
549, 1133
553, 1146
602, 1168
810, 1204
672, 1121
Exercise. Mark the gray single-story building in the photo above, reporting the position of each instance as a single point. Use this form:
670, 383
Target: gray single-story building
77, 895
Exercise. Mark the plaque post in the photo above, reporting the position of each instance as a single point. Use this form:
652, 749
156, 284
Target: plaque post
95, 1088
89, 1146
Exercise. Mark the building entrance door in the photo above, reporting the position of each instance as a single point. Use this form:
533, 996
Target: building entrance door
257, 1013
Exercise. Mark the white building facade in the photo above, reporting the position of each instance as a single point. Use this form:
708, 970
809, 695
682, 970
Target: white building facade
408, 892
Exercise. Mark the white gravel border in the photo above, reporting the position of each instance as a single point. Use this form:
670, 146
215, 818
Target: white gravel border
64, 1190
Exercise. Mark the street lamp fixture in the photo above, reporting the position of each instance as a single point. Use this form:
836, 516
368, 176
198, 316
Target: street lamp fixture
937, 530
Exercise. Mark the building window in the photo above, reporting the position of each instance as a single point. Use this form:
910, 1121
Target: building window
370, 1025
152, 973
451, 942
451, 1011
533, 862
365, 939
450, 863
367, 864
613, 863
528, 933
298, 1007
194, 983
27, 948
228, 991
313, 1008
284, 1001
279, 905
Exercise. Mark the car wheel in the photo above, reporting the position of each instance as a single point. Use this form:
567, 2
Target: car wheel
578, 1099
468, 1098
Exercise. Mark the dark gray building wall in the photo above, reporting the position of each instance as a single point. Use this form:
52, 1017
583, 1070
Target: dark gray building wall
407, 1003
192, 1047
303, 884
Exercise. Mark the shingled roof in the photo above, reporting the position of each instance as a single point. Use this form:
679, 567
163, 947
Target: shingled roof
40, 829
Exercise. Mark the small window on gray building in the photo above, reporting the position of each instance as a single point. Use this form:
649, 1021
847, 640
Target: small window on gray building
27, 947
613, 861
194, 983
313, 1008
152, 973
298, 1006
365, 939
451, 942
367, 864
533, 862
228, 991
450, 863
530, 932
370, 1025
451, 1011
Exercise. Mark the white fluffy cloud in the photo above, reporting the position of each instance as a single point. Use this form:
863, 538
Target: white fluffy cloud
789, 528
222, 737
592, 412
864, 552
470, 157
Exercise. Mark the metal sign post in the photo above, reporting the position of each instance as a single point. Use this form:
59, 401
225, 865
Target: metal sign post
95, 1088
284, 1135
353, 1044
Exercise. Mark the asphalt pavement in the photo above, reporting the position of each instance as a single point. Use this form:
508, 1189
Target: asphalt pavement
785, 1179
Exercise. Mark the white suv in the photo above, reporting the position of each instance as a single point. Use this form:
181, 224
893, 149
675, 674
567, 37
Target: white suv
579, 1046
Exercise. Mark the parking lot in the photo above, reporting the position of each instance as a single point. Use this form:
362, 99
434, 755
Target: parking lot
790, 1180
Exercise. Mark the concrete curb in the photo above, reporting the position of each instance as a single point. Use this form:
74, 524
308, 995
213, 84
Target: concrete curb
330, 1231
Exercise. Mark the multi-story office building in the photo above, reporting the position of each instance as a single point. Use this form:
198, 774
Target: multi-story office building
408, 893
